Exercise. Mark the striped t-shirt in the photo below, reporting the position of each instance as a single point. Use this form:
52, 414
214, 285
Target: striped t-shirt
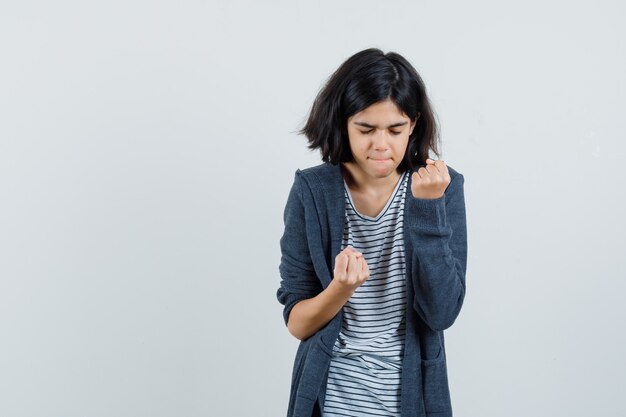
365, 370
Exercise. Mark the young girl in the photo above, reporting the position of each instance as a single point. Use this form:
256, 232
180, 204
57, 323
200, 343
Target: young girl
374, 249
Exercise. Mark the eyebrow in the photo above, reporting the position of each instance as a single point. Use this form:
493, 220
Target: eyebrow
371, 126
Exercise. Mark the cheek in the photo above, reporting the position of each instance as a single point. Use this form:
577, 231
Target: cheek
358, 144
402, 145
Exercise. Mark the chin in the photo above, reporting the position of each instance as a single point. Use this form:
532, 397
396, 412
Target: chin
384, 172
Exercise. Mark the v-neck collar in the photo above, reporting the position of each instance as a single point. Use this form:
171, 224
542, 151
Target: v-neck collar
385, 208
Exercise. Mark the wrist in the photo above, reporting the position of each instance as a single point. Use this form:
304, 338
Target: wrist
340, 290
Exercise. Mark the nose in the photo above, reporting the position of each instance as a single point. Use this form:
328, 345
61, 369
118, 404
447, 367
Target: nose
380, 140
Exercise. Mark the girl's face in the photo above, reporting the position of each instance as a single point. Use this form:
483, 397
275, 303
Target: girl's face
379, 136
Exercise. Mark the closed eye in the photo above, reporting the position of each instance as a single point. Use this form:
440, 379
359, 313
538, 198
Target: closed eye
393, 132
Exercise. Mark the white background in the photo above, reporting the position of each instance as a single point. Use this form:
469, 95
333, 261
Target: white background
147, 149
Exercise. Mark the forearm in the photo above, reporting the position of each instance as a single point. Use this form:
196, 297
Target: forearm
310, 315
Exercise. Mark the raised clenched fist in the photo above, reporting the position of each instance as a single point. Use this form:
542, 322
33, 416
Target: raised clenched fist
351, 269
430, 181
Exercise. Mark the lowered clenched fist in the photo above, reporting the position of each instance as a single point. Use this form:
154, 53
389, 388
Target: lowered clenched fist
430, 181
351, 269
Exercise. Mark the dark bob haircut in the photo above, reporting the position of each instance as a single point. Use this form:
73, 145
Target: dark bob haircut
363, 79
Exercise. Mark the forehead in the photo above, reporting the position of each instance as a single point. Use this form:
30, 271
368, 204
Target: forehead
385, 110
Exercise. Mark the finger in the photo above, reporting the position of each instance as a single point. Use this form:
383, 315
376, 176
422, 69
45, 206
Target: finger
341, 264
359, 268
364, 269
423, 172
441, 165
353, 266
433, 170
438, 163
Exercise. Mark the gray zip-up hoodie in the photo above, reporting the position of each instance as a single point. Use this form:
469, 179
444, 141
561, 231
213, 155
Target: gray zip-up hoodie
435, 243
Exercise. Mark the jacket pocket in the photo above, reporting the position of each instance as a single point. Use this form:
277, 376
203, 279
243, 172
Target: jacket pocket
435, 384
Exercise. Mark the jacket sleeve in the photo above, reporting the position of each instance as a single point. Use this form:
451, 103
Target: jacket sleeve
438, 232
298, 278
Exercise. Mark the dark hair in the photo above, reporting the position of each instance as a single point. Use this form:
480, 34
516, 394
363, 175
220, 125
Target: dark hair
363, 79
